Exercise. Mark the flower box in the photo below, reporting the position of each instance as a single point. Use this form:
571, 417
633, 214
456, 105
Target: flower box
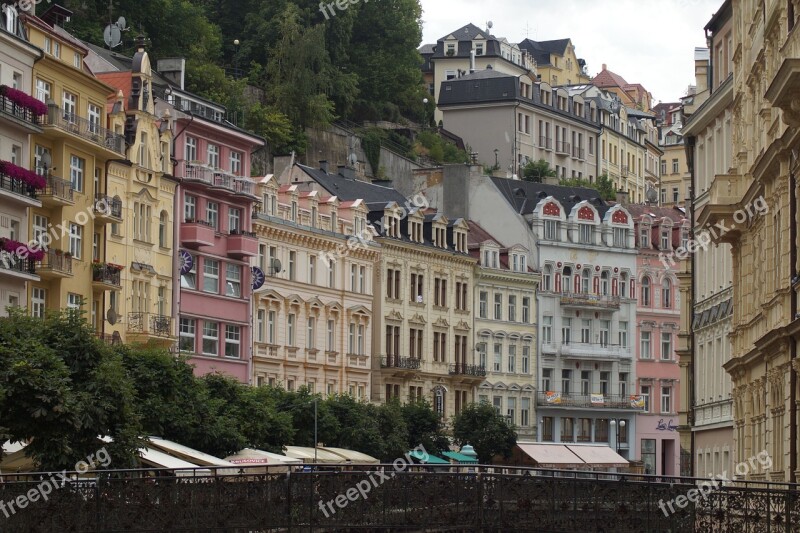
21, 250
24, 100
23, 174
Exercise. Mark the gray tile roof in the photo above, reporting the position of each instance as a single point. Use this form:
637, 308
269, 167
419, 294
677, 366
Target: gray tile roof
524, 195
347, 189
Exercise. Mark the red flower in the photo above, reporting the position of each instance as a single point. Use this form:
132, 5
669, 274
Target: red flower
22, 250
20, 98
23, 174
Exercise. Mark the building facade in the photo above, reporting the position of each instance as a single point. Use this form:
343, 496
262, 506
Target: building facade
556, 61
659, 232
504, 305
313, 315
20, 187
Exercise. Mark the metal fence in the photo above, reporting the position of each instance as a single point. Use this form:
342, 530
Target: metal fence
418, 498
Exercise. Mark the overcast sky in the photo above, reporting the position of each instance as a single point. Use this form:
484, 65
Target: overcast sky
650, 42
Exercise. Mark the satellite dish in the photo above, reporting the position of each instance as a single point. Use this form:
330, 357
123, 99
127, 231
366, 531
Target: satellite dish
111, 316
121, 23
353, 158
112, 36
490, 24
275, 266
652, 195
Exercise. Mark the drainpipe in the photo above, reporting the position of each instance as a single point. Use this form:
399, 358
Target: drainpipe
793, 311
177, 215
690, 144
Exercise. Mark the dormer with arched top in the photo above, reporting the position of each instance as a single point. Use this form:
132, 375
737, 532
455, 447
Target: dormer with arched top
267, 188
549, 219
585, 221
621, 223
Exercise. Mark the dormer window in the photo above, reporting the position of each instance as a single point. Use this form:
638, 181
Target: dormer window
440, 237
586, 235
478, 49
451, 49
665, 239
518, 263
644, 236
490, 258
551, 230
10, 16
415, 231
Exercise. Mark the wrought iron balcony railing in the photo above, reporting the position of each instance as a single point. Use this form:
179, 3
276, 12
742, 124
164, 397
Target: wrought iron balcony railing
59, 188
106, 274
14, 263
467, 370
56, 262
158, 325
18, 111
395, 361
17, 186
86, 129
590, 401
105, 205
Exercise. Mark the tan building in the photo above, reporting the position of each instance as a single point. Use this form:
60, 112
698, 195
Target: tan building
505, 328
313, 315
632, 94
556, 61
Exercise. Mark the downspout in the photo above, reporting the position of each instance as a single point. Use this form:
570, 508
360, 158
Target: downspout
104, 299
793, 311
690, 144
176, 242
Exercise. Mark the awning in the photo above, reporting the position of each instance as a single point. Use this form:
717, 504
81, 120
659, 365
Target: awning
598, 455
307, 455
427, 458
352, 456
188, 454
551, 455
253, 457
14, 458
159, 459
460, 457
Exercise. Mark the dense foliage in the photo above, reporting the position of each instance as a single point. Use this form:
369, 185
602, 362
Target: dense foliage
602, 184
61, 387
358, 63
489, 432
537, 171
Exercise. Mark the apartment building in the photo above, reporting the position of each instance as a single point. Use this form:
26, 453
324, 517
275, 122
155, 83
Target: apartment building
509, 120
422, 333
659, 232
556, 61
144, 240
78, 141
20, 187
709, 129
632, 95
214, 237
504, 305
313, 314
675, 183
470, 49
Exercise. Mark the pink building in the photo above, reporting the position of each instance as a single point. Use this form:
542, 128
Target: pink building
659, 232
214, 206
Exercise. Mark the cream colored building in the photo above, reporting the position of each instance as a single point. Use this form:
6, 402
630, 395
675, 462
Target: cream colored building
505, 312
556, 61
312, 318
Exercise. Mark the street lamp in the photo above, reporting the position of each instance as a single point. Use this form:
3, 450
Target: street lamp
496, 162
425, 114
617, 427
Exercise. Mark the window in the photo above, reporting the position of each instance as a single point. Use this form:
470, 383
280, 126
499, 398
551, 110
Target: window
331, 337
512, 308
213, 155
605, 379
547, 376
511, 410
566, 379
645, 291
524, 412
94, 119
191, 149
605, 333
567, 429
586, 233
586, 279
483, 304
271, 317
547, 329
189, 279
623, 285
260, 318
512, 358
586, 382
234, 219
645, 352
462, 293
38, 302
666, 399
666, 346
526, 359
360, 339
293, 264
415, 344
212, 214
42, 90
644, 237
70, 105
74, 301
76, 172
210, 338
666, 294
312, 269
75, 240
291, 319
232, 341
623, 334
163, 220
57, 49
566, 280
233, 280
236, 163
189, 208
675, 169
416, 287
210, 275
645, 394
586, 330
393, 284
498, 357
547, 278
551, 230
311, 332
362, 279
497, 403
498, 306
526, 310
547, 428
621, 237
353, 274
566, 329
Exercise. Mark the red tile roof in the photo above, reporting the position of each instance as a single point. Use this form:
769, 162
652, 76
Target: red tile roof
606, 78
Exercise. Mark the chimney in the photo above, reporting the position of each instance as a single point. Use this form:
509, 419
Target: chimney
605, 66
472, 62
347, 172
622, 197
323, 166
173, 69
701, 60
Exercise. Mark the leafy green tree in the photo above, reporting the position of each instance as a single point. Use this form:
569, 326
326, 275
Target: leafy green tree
537, 171
486, 430
602, 184
393, 428
424, 426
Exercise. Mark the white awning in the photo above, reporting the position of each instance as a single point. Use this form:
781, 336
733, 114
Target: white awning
158, 459
254, 457
352, 456
188, 454
307, 455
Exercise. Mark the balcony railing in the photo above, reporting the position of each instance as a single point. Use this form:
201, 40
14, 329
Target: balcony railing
59, 189
593, 349
106, 274
395, 361
578, 153
158, 325
545, 142
13, 263
467, 370
578, 299
91, 131
110, 339
107, 206
199, 171
562, 147
625, 170
17, 186
12, 108
55, 262
591, 401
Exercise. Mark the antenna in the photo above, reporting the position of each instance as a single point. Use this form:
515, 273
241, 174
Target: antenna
112, 36
489, 25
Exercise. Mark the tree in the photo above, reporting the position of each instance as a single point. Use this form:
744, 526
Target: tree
480, 425
603, 185
424, 426
537, 171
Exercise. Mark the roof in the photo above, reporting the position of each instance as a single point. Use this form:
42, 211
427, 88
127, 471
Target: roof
478, 235
525, 195
347, 189
118, 80
307, 454
460, 457
467, 33
426, 48
184, 452
352, 455
658, 212
606, 78
427, 458
541, 50
156, 458
254, 457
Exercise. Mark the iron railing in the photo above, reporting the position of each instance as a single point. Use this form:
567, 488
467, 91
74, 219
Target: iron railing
56, 261
467, 370
17, 186
416, 498
562, 147
395, 361
545, 142
587, 401
107, 205
86, 129
12, 108
591, 300
59, 188
14, 263
109, 275
158, 325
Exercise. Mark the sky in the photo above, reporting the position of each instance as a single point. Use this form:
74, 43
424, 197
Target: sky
650, 42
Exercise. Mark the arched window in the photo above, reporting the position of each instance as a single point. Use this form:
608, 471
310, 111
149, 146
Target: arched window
10, 19
585, 279
547, 278
666, 294
604, 283
645, 291
163, 220
566, 280
623, 285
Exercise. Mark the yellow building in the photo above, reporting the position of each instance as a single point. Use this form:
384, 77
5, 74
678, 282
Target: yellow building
74, 152
757, 203
144, 241
556, 61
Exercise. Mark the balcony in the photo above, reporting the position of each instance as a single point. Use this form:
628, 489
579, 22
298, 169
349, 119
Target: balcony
783, 90
625, 171
195, 171
578, 153
55, 265
60, 121
110, 339
401, 365
19, 192
545, 142
724, 197
197, 233
144, 325
222, 180
589, 301
469, 372
15, 110
16, 267
244, 186
590, 401
57, 193
594, 350
106, 276
107, 209
242, 244
562, 148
